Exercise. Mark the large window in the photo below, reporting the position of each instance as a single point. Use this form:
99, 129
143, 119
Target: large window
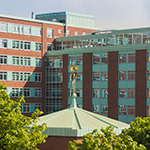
131, 58
131, 75
96, 76
15, 92
38, 106
38, 62
21, 76
15, 44
26, 76
38, 77
3, 59
122, 93
104, 93
38, 46
79, 92
122, 58
131, 93
71, 61
49, 47
104, 109
27, 30
49, 33
15, 60
104, 59
79, 60
131, 110
38, 93
38, 31
122, 110
95, 92
27, 45
3, 43
79, 77
15, 28
3, 75
15, 76
96, 108
104, 76
122, 75
27, 61
26, 108
3, 27
96, 59
26, 92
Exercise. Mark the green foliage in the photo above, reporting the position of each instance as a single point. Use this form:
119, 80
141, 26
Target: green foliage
13, 134
106, 141
140, 131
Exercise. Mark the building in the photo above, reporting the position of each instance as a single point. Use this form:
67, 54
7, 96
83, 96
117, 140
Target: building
113, 76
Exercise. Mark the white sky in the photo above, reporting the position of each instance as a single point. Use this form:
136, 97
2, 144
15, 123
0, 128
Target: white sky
109, 14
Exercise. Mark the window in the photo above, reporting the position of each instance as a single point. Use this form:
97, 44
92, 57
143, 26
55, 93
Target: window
122, 93
15, 44
21, 60
38, 93
104, 93
122, 75
70, 92
79, 92
84, 33
59, 31
122, 110
104, 76
21, 44
38, 46
131, 110
38, 77
79, 77
38, 31
27, 61
27, 30
131, 58
148, 92
26, 76
71, 61
96, 59
27, 45
38, 62
49, 47
49, 33
68, 32
38, 106
104, 109
122, 58
104, 59
3, 75
79, 60
21, 30
15, 92
26, 108
131, 93
96, 76
26, 92
76, 33
15, 76
131, 75
95, 92
3, 59
21, 76
3, 27
96, 108
15, 60
15, 28
3, 43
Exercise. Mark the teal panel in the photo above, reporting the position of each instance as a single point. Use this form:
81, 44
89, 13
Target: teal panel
22, 108
79, 101
148, 66
122, 67
9, 91
148, 101
95, 68
33, 30
32, 77
69, 100
131, 101
80, 69
32, 61
148, 83
32, 108
103, 101
122, 84
9, 44
32, 92
95, 101
131, 66
130, 84
9, 28
32, 46
9, 76
9, 60
130, 118
78, 84
122, 101
104, 67
95, 84
122, 118
103, 84
69, 84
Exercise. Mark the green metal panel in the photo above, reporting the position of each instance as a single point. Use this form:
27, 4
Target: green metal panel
32, 77
32, 108
95, 84
9, 60
32, 46
122, 101
148, 102
79, 101
9, 76
80, 69
122, 67
9, 44
122, 84
130, 118
9, 27
104, 67
33, 61
103, 84
22, 108
131, 101
131, 66
32, 92
95, 68
78, 84
33, 30
130, 84
148, 66
9, 91
122, 118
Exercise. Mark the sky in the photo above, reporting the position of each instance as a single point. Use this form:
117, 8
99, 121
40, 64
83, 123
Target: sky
108, 14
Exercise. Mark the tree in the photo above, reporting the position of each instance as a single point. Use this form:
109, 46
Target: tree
14, 134
140, 131
106, 141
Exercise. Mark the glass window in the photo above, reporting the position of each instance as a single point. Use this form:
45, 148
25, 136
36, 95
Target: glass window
21, 29
15, 76
70, 92
3, 75
15, 44
122, 93
79, 92
3, 43
26, 108
131, 110
21, 60
71, 61
76, 33
21, 76
21, 44
131, 75
15, 60
122, 75
49, 33
148, 111
38, 106
104, 59
3, 27
96, 108
122, 58
38, 93
49, 47
96, 76
122, 110
38, 62
38, 31
104, 76
84, 33
59, 31
15, 28
27, 45
137, 38
38, 46
26, 92
95, 92
3, 59
68, 32
104, 93
38, 77
27, 30
104, 109
127, 39
27, 61
148, 92
96, 59
131, 93
26, 76
15, 92
78, 78
131, 58
79, 60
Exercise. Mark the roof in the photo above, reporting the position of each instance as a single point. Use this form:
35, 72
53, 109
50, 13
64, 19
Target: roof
76, 122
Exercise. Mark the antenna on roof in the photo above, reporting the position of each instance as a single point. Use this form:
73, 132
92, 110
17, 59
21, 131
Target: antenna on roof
32, 15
